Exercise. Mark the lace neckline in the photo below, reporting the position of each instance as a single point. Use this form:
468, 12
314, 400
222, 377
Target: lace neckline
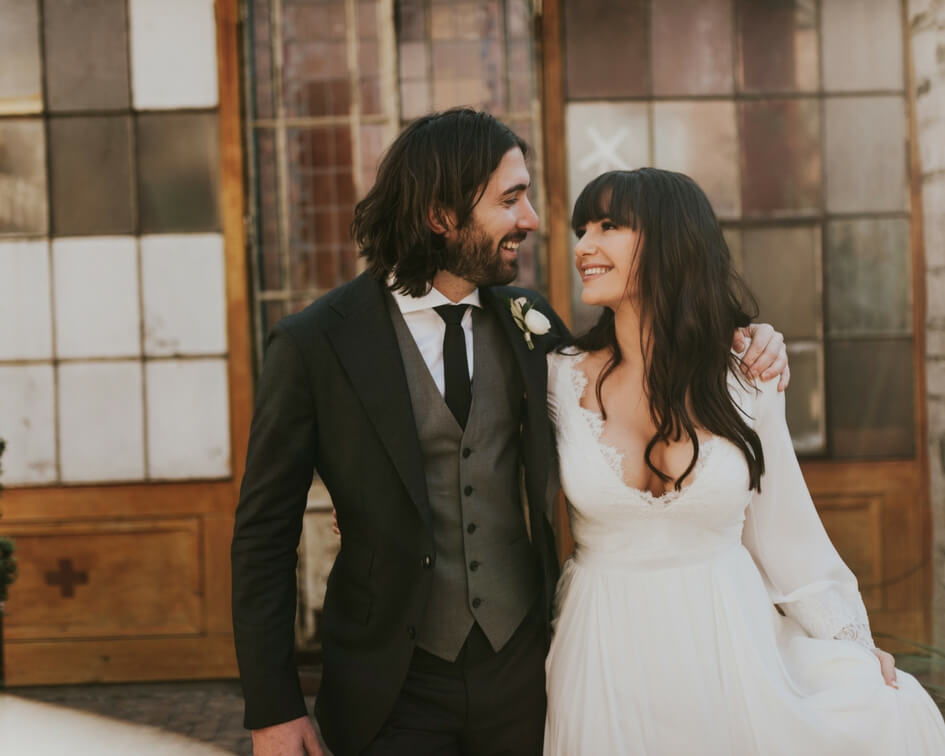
614, 457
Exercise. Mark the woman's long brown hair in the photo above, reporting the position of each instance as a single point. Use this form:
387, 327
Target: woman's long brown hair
691, 301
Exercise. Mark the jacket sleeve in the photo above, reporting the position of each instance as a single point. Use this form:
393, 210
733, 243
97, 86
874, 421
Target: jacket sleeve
279, 470
804, 573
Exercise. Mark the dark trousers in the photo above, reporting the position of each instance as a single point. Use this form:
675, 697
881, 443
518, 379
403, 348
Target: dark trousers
485, 703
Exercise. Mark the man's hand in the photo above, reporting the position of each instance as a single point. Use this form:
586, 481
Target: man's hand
296, 737
767, 355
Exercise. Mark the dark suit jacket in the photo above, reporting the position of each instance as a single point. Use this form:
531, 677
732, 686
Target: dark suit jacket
333, 396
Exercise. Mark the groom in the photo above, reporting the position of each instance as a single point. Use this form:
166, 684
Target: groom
420, 400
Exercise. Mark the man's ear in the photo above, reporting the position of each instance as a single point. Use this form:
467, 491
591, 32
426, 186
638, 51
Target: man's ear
441, 221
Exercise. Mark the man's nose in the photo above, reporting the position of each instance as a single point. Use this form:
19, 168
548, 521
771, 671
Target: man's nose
528, 218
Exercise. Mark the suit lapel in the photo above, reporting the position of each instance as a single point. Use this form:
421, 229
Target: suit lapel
532, 362
366, 345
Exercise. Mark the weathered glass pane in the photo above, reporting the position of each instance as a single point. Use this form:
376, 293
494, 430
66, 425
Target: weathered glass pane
315, 59
698, 139
782, 268
604, 136
411, 20
865, 154
805, 399
86, 55
777, 45
21, 79
178, 172
262, 69
781, 168
870, 384
606, 49
692, 47
869, 277
862, 45
91, 175
268, 240
23, 203
321, 205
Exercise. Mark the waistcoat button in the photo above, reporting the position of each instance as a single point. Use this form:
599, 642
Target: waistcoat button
471, 528
474, 565
427, 561
476, 603
468, 490
466, 452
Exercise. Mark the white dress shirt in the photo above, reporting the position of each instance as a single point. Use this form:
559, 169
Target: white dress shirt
428, 329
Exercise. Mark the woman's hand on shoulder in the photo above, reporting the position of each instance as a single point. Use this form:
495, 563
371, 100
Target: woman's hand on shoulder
767, 354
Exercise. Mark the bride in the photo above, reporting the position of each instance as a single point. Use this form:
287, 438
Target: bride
692, 521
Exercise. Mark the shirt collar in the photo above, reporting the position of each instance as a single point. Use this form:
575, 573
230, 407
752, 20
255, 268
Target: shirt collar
431, 299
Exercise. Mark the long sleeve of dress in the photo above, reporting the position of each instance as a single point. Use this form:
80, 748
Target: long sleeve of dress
804, 573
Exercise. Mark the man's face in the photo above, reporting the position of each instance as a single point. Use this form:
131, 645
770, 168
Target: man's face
485, 250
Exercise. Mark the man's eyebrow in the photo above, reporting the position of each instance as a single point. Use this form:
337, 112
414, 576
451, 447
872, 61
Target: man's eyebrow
515, 189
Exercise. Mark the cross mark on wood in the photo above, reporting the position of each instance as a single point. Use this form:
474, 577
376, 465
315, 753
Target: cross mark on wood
67, 578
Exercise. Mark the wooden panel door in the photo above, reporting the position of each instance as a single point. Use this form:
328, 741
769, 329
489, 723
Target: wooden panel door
132, 581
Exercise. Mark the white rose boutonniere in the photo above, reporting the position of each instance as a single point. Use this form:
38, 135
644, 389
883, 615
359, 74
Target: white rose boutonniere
529, 320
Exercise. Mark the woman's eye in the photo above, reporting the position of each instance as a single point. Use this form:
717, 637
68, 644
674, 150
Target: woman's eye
608, 226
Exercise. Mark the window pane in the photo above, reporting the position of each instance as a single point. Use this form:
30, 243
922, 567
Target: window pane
805, 399
782, 268
86, 54
21, 87
90, 171
23, 202
178, 172
871, 398
268, 239
780, 157
315, 59
698, 139
262, 70
606, 49
869, 275
862, 43
321, 205
865, 154
605, 136
692, 47
777, 46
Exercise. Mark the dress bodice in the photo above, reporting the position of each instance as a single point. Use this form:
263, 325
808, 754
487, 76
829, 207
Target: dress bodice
615, 525
632, 526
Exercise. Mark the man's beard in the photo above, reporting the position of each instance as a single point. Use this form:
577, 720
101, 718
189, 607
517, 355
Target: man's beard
475, 257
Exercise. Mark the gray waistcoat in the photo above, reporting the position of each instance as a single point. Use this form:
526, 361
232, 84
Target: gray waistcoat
484, 569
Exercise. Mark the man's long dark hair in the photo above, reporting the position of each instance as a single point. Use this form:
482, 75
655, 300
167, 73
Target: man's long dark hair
440, 162
691, 300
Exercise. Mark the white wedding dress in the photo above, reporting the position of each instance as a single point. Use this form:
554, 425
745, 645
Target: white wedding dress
666, 638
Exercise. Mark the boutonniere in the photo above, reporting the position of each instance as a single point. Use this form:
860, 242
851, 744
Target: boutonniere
529, 320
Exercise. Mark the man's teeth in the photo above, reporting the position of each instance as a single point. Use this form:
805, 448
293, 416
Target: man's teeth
595, 271
512, 246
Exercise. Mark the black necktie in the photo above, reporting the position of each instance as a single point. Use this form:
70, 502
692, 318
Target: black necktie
456, 367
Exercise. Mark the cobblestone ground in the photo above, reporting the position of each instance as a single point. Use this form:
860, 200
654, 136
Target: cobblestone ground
211, 711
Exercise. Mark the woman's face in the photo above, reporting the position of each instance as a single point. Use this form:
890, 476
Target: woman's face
605, 257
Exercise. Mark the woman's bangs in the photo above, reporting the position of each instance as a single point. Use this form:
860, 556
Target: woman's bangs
607, 196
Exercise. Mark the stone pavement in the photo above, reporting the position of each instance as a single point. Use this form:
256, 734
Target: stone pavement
211, 711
